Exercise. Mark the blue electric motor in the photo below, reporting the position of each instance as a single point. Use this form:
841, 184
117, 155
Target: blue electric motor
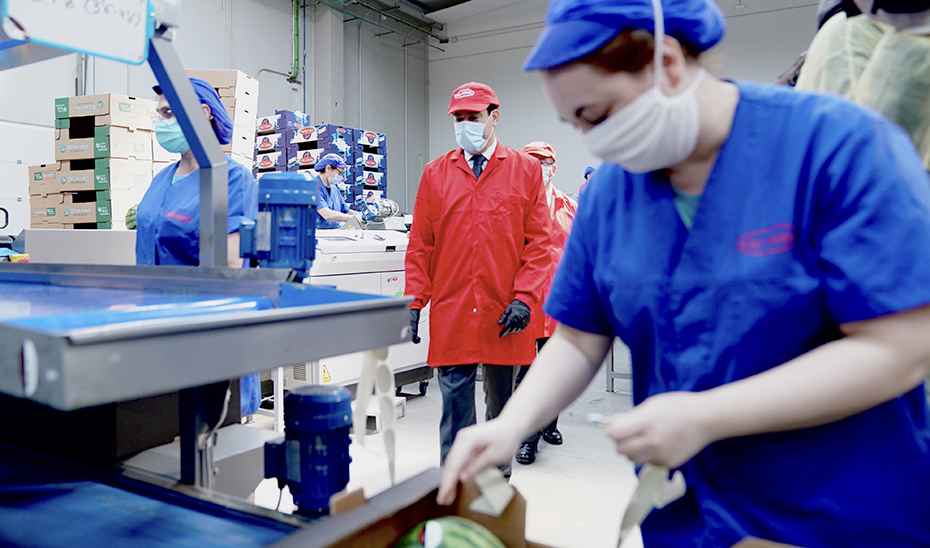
313, 459
284, 234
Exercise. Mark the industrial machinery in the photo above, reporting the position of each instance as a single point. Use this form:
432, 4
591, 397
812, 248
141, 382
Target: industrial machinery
283, 236
380, 214
75, 337
313, 458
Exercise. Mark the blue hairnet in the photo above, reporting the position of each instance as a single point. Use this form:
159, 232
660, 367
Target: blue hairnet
577, 28
331, 159
588, 171
222, 123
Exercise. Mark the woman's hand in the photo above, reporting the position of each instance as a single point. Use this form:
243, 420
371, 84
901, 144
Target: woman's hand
476, 448
666, 429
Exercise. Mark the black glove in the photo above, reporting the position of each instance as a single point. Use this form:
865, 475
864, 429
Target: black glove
415, 325
515, 319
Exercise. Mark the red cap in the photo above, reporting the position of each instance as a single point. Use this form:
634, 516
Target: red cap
473, 97
540, 149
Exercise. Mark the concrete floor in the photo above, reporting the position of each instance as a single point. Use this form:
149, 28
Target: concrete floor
576, 492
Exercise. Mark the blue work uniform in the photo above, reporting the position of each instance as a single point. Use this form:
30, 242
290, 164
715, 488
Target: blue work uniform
168, 231
331, 198
816, 213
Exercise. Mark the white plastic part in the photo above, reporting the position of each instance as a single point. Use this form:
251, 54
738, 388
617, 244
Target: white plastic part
30, 368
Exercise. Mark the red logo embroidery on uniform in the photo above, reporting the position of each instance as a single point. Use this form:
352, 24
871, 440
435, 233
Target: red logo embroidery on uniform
771, 240
179, 217
461, 94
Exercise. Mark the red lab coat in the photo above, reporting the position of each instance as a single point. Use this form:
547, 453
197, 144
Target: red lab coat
562, 213
474, 247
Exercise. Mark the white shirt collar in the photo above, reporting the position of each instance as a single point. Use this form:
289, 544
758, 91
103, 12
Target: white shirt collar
487, 153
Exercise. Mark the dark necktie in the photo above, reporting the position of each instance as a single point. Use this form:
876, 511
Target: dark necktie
478, 165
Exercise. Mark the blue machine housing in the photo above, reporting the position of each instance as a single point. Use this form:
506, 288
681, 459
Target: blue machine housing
313, 459
284, 234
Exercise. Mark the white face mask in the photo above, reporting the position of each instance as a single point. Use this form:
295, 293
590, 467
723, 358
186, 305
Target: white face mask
337, 179
654, 131
470, 136
546, 173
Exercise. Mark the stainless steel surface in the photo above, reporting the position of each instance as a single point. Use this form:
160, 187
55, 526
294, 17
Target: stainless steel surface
204, 144
240, 281
117, 363
103, 247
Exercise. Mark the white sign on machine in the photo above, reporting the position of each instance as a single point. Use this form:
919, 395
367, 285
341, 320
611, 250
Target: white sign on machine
114, 29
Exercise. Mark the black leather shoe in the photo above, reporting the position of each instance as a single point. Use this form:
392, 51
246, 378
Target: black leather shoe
552, 438
526, 454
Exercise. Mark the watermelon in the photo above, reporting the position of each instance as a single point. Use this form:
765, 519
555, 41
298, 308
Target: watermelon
449, 532
131, 217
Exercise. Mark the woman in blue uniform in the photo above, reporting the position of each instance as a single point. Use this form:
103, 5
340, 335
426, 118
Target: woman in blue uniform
332, 209
765, 254
168, 217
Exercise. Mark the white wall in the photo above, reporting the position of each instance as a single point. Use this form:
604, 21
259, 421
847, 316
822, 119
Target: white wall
763, 39
253, 36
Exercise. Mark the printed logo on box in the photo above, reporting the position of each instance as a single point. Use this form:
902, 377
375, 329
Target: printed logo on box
371, 162
140, 147
372, 138
370, 180
100, 146
101, 178
124, 107
62, 107
307, 158
265, 124
265, 144
265, 162
72, 148
37, 177
102, 211
64, 212
307, 132
88, 106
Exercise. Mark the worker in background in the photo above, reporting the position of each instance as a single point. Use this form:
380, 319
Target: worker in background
588, 172
880, 59
765, 254
168, 217
479, 253
332, 209
561, 213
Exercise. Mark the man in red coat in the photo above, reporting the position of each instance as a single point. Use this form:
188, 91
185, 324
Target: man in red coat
479, 253
561, 212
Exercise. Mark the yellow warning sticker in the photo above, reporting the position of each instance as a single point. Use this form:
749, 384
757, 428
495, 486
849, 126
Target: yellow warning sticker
326, 376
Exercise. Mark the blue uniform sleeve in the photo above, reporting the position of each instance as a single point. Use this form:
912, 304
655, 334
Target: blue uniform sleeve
148, 215
574, 299
243, 196
871, 225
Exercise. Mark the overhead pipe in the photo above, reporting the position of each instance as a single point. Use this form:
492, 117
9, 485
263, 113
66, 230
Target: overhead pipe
353, 16
295, 70
402, 21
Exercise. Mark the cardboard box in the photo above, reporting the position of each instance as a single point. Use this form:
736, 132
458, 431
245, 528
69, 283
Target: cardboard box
270, 142
227, 80
383, 520
99, 174
371, 179
121, 201
241, 112
371, 161
71, 208
107, 142
282, 120
370, 139
122, 110
159, 154
242, 142
302, 135
79, 226
158, 166
273, 160
245, 161
303, 158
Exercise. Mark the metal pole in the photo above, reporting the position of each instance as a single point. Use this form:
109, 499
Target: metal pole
214, 177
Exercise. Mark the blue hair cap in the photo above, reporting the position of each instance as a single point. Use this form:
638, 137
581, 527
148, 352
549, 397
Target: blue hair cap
331, 159
577, 28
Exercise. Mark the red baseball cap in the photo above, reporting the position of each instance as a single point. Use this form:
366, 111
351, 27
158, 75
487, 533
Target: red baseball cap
473, 97
540, 149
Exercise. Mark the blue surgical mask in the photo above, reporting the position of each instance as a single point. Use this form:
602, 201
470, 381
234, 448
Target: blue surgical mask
170, 136
337, 179
470, 136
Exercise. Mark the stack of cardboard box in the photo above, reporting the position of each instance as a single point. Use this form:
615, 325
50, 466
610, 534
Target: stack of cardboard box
103, 162
371, 164
239, 93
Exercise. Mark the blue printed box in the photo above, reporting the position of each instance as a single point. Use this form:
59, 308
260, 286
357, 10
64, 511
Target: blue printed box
269, 143
371, 161
369, 139
280, 121
303, 158
270, 161
371, 178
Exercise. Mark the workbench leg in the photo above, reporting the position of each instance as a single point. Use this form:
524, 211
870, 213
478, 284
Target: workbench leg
200, 410
277, 382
